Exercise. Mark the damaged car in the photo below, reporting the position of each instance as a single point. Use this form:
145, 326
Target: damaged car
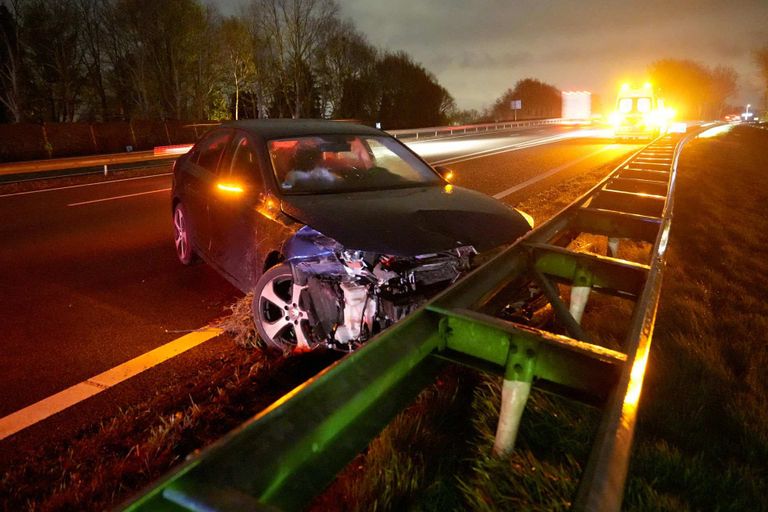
339, 230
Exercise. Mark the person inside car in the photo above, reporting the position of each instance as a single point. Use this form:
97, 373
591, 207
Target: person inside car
308, 169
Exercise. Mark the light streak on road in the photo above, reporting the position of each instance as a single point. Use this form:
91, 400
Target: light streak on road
110, 182
120, 197
472, 149
717, 130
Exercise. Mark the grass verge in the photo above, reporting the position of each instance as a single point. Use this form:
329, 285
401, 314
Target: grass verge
702, 440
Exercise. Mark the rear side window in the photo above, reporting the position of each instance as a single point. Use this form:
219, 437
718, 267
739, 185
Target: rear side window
210, 149
240, 158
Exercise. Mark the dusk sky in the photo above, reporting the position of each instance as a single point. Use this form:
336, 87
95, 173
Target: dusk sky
479, 48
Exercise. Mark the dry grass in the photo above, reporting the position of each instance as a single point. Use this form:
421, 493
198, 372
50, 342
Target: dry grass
412, 463
239, 323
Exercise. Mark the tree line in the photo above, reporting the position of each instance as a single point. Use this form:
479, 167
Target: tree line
761, 58
100, 60
694, 90
537, 100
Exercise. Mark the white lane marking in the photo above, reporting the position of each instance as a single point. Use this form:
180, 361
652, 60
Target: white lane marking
120, 197
84, 185
547, 174
47, 407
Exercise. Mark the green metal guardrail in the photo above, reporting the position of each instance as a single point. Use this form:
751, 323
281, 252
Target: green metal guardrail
288, 453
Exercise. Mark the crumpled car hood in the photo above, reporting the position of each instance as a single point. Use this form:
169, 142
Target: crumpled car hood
409, 221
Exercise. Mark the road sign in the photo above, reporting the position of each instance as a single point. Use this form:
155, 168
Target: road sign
516, 105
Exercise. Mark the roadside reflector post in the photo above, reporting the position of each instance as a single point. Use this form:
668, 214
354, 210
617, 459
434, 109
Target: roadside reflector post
613, 246
105, 169
515, 354
582, 285
518, 378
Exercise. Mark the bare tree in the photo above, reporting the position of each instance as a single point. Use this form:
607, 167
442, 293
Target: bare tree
11, 60
292, 31
168, 52
209, 70
236, 46
761, 57
52, 35
130, 78
724, 81
94, 14
67, 59
344, 57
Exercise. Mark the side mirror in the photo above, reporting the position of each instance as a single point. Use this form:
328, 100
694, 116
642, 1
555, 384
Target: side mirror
230, 187
446, 173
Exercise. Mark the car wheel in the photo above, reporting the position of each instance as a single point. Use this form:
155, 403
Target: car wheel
281, 310
181, 239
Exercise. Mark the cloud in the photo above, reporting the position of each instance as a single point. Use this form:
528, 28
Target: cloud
474, 60
478, 48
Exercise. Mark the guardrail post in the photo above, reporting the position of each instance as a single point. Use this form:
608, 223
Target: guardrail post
613, 246
133, 133
518, 378
46, 145
582, 285
93, 138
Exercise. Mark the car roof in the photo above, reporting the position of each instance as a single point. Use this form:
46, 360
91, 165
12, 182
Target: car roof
284, 128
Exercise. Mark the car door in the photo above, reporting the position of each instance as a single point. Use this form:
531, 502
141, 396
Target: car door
199, 184
235, 222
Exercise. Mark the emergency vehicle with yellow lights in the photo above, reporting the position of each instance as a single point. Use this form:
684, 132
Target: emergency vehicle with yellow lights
640, 113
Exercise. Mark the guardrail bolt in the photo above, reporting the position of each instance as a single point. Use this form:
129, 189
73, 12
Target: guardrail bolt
446, 331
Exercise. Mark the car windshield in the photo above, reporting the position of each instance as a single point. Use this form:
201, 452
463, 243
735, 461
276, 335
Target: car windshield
644, 105
345, 163
625, 105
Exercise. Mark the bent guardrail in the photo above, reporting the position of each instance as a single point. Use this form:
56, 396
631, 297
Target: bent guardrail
288, 453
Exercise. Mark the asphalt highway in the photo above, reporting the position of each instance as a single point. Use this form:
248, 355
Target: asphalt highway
89, 277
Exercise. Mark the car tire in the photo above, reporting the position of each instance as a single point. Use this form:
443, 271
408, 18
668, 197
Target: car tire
181, 237
281, 311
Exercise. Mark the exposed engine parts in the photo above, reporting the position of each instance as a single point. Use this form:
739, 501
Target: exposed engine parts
352, 295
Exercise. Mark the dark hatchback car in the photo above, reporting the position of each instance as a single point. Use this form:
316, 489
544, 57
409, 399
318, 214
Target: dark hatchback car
338, 229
